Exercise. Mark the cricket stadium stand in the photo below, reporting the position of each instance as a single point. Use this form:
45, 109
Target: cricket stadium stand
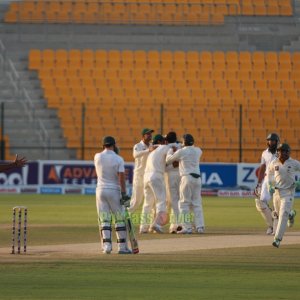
125, 59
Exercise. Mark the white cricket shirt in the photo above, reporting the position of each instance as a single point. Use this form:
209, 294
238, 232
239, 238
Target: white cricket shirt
283, 174
156, 162
140, 155
188, 158
169, 167
266, 157
108, 164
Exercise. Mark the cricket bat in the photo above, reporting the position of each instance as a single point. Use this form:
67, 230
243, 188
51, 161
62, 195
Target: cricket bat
131, 234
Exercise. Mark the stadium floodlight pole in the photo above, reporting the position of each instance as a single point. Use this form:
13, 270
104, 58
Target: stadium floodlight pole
161, 118
82, 130
241, 133
2, 147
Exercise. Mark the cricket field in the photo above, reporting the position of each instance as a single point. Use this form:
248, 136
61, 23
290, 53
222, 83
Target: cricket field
234, 259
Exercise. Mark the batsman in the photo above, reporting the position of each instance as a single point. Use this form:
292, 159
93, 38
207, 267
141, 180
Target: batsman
110, 188
263, 196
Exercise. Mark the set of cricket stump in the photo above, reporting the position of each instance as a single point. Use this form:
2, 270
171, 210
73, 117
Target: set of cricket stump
17, 231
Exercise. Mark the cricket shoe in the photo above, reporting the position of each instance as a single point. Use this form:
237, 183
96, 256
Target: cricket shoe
173, 229
124, 251
276, 243
179, 228
144, 230
200, 230
107, 248
269, 231
291, 219
185, 231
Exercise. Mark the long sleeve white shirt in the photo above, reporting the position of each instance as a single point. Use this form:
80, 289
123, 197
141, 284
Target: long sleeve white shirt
267, 157
283, 174
140, 155
156, 162
170, 167
188, 158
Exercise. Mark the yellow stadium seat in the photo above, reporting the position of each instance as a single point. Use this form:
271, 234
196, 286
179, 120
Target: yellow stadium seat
206, 96
35, 58
273, 84
229, 74
283, 75
217, 73
269, 75
273, 10
285, 10
245, 61
234, 84
256, 74
287, 85
244, 74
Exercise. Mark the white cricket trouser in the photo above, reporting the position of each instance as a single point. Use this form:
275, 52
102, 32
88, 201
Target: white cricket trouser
283, 203
108, 206
264, 194
173, 196
137, 196
190, 198
155, 197
262, 204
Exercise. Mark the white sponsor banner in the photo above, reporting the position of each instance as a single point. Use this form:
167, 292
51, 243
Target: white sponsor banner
247, 175
235, 193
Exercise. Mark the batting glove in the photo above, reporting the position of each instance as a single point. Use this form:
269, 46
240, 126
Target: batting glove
125, 199
257, 190
271, 189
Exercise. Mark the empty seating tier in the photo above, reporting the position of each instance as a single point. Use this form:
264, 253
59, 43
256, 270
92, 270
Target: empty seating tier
201, 93
193, 12
8, 155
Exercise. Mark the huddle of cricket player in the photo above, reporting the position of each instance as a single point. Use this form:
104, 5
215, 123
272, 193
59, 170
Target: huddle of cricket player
167, 184
277, 181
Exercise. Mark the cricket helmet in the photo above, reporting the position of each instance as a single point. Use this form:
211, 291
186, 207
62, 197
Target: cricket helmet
273, 137
272, 146
188, 140
284, 147
108, 141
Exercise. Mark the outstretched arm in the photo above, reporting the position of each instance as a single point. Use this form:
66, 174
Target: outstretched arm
173, 155
17, 163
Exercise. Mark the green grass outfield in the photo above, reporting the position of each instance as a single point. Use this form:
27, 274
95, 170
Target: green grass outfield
236, 273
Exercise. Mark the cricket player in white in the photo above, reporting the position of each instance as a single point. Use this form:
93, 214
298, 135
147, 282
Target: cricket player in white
261, 190
154, 188
173, 184
110, 188
140, 154
190, 184
281, 181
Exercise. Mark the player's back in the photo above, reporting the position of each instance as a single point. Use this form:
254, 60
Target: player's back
156, 162
108, 164
189, 162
